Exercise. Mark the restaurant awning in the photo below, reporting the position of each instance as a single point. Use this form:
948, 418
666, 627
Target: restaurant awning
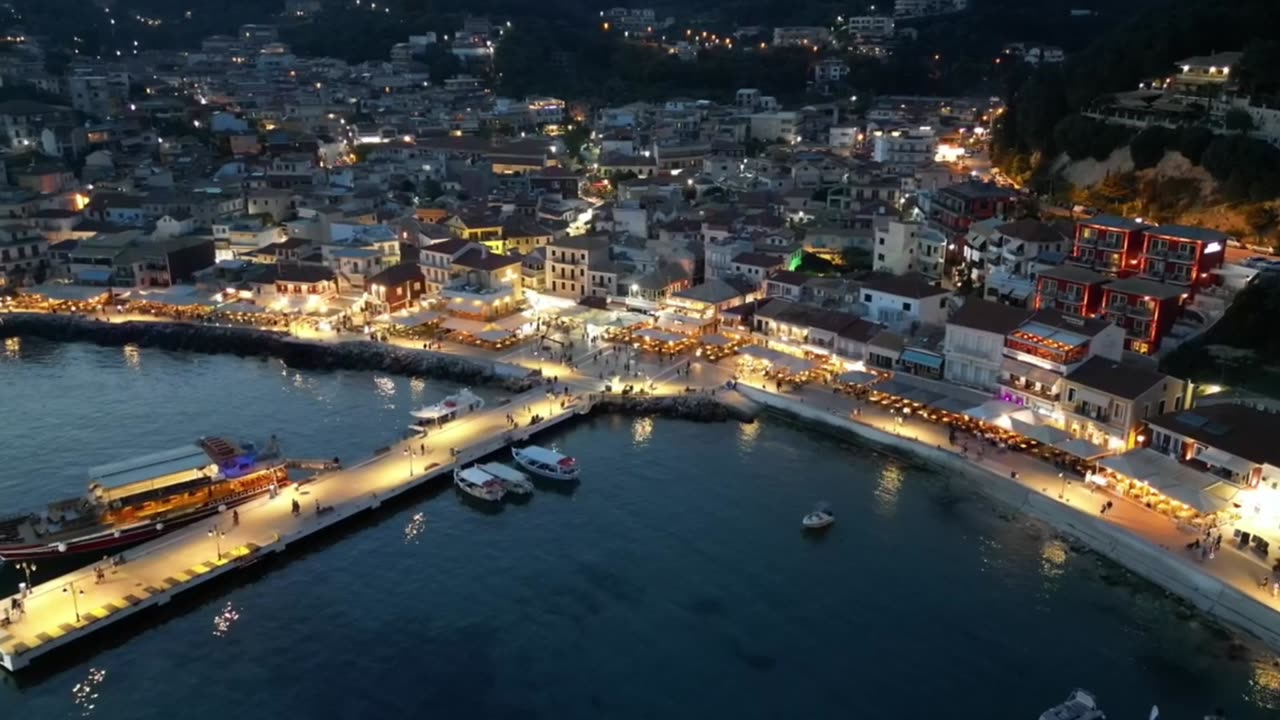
917, 357
493, 335
1218, 458
717, 340
463, 325
992, 409
421, 317
1081, 448
853, 377
659, 336
922, 396
952, 405
1046, 434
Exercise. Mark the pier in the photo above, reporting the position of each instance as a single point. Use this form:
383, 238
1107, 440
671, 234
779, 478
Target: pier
71, 607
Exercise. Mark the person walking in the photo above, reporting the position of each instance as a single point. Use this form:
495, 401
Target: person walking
235, 517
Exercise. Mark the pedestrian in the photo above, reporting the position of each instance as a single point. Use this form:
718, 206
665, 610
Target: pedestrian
235, 517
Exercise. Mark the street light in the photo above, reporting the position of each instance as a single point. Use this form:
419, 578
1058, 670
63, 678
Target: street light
75, 604
27, 568
217, 534
1062, 491
409, 454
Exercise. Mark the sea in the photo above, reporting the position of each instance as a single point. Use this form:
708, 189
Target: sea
674, 581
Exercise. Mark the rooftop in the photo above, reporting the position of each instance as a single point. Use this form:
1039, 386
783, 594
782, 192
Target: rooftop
1031, 231
910, 285
483, 259
1189, 232
989, 316
1113, 222
397, 275
1145, 288
1240, 430
1115, 378
1073, 274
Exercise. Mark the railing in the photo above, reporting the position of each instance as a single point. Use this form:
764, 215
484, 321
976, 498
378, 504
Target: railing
1182, 257
1157, 252
1028, 388
1142, 311
1092, 412
1111, 244
1087, 241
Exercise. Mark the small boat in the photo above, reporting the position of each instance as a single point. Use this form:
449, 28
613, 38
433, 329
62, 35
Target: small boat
513, 481
1081, 705
464, 402
821, 517
546, 463
478, 484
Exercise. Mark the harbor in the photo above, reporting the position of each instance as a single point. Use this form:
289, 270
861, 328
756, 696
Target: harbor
71, 607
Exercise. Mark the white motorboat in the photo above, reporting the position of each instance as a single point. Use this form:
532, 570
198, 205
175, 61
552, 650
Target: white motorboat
464, 402
821, 517
1081, 705
478, 484
546, 463
513, 481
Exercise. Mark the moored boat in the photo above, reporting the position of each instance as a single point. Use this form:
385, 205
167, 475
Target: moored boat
546, 463
822, 516
139, 499
513, 481
1080, 705
464, 402
478, 484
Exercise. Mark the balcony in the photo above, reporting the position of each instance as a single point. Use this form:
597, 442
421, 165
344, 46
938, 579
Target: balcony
1028, 387
1116, 318
1114, 245
1087, 241
1142, 310
476, 293
1182, 257
1158, 252
1090, 411
1080, 260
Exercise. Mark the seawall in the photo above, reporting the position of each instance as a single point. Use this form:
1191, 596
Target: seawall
1155, 564
251, 342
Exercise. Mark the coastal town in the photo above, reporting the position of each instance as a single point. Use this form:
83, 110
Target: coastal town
861, 263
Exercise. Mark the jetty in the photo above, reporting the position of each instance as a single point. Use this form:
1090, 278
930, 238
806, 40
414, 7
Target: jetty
71, 607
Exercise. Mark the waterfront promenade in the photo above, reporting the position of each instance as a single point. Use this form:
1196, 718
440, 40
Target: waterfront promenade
72, 606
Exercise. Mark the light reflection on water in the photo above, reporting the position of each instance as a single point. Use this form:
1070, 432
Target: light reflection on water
1053, 558
223, 621
85, 694
12, 348
641, 431
414, 528
1264, 686
888, 487
132, 357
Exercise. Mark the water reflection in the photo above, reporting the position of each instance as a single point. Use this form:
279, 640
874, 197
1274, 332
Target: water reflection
414, 528
417, 387
223, 621
888, 488
85, 693
385, 387
132, 356
1053, 559
747, 434
641, 431
1264, 686
12, 348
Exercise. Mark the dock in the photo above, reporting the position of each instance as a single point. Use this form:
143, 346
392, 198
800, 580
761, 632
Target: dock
63, 610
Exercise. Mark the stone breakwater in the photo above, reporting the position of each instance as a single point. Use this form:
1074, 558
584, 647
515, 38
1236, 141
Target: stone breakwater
250, 342
696, 407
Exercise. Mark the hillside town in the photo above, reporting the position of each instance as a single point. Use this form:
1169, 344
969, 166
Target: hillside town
860, 245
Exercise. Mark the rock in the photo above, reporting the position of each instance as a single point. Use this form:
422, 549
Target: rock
216, 339
699, 408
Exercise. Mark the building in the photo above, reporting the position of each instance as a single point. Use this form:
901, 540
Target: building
902, 151
1013, 246
1182, 255
870, 25
1107, 402
781, 126
1070, 290
436, 260
925, 8
1206, 71
811, 36
1109, 244
23, 121
1145, 309
395, 288
903, 301
484, 285
1232, 442
303, 281
974, 342
909, 247
24, 254
956, 207
160, 262
582, 266
1044, 349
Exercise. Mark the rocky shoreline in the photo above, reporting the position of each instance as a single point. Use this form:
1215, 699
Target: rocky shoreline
251, 342
695, 407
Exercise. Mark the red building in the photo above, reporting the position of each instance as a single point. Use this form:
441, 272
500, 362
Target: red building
1144, 308
1109, 244
958, 206
1069, 290
1182, 255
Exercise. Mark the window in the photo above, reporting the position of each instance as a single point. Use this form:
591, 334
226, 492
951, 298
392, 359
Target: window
880, 241
1071, 394
1160, 408
1119, 413
1177, 403
880, 257
906, 307
866, 297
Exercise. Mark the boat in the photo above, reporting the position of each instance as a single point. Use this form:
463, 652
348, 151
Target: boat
430, 417
513, 481
1080, 705
821, 517
144, 497
478, 484
546, 463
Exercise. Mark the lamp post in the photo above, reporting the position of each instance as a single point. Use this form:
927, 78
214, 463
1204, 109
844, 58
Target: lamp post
1062, 491
409, 454
550, 397
75, 604
216, 533
27, 568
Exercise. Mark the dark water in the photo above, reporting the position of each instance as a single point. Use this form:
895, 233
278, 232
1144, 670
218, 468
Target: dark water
675, 583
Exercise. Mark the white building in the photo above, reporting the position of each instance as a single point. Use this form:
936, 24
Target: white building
773, 126
870, 25
908, 247
903, 301
801, 35
843, 136
902, 151
974, 345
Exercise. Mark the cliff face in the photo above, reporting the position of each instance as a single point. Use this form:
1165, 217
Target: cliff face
248, 342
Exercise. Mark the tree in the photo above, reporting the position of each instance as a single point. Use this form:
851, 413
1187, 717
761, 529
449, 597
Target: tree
1259, 218
1116, 189
1238, 120
574, 138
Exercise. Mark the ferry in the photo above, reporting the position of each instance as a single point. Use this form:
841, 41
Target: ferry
447, 410
139, 499
513, 481
478, 484
1081, 705
546, 463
